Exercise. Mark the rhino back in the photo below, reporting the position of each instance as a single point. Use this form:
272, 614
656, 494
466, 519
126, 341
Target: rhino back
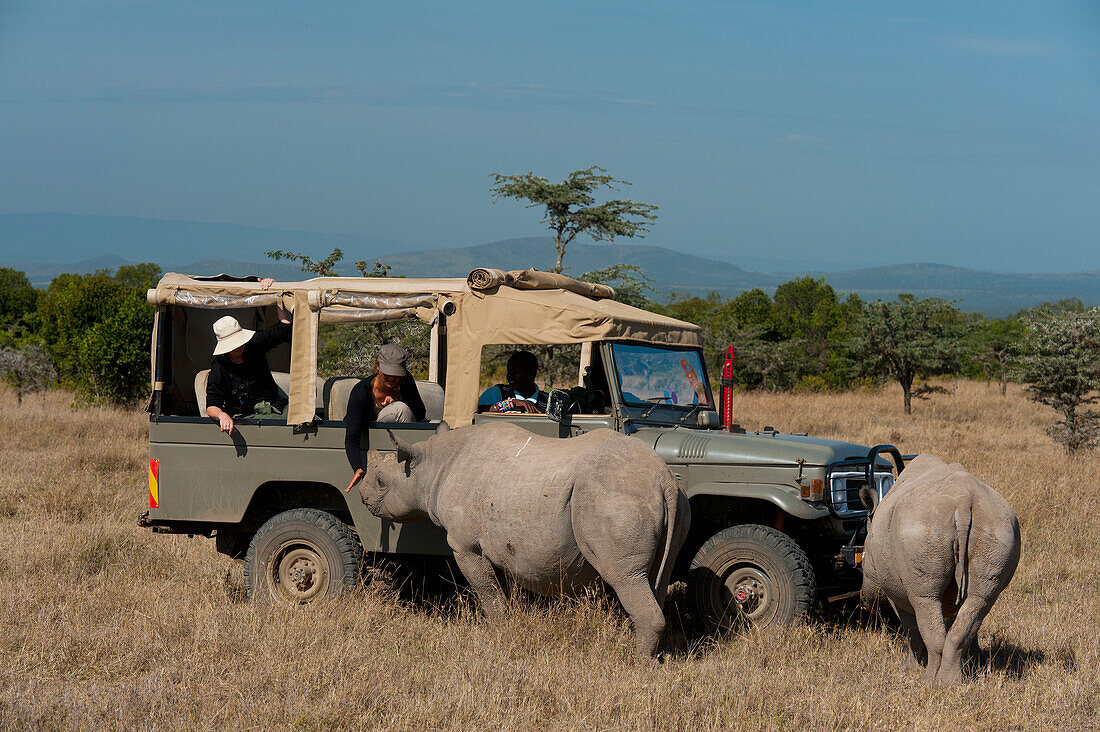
517, 496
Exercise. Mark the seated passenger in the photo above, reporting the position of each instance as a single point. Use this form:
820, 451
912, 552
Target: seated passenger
240, 383
520, 394
388, 396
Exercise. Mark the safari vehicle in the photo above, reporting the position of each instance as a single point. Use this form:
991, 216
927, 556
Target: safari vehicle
775, 517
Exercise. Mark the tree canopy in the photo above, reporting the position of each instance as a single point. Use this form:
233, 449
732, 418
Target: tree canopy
1062, 368
571, 207
17, 297
906, 339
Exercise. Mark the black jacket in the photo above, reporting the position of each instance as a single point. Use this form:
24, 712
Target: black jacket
361, 411
236, 388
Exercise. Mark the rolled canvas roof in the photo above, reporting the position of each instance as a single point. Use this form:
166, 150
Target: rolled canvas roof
549, 309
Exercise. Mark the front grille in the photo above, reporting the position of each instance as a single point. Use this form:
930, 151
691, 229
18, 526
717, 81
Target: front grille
844, 490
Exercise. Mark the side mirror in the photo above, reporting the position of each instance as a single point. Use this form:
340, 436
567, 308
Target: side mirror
707, 419
557, 405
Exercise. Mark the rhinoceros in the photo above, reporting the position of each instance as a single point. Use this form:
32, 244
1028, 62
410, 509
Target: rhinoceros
549, 515
941, 546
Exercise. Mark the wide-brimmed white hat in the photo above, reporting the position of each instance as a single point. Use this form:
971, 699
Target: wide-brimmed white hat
230, 335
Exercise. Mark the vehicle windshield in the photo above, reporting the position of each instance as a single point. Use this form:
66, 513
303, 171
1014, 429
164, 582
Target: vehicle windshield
651, 375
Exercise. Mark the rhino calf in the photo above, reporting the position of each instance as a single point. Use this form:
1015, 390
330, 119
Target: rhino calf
550, 515
941, 546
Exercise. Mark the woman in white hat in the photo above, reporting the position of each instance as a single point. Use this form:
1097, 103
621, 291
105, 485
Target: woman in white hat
240, 383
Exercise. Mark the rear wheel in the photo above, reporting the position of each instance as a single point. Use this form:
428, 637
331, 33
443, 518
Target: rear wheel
302, 556
751, 575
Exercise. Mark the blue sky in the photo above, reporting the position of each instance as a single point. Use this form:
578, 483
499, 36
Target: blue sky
877, 132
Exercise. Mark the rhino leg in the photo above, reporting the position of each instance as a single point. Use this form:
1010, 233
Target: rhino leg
482, 577
628, 574
962, 639
626, 563
929, 612
918, 654
636, 596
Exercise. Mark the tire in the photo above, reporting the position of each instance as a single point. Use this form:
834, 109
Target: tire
301, 556
751, 576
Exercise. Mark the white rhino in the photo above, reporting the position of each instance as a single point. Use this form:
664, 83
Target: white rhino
941, 546
551, 515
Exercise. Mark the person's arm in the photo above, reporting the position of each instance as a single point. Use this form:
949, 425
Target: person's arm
284, 315
269, 338
411, 396
225, 422
215, 398
353, 430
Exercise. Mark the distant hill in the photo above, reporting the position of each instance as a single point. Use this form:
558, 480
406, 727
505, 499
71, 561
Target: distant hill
45, 245
671, 271
53, 238
674, 272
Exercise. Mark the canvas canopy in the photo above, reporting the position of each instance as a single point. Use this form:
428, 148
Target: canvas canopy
489, 307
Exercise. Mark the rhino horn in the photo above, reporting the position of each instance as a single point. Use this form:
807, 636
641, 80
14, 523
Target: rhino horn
409, 454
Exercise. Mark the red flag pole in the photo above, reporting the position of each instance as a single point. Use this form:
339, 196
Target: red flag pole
727, 390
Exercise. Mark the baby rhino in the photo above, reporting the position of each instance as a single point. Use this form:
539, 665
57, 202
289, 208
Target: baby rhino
940, 548
551, 515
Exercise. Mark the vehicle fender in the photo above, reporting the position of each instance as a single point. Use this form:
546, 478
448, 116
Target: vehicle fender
783, 497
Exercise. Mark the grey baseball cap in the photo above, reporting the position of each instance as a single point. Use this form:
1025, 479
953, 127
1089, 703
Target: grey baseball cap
392, 360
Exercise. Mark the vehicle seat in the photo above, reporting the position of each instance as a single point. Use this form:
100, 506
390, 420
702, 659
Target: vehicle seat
432, 394
337, 392
282, 380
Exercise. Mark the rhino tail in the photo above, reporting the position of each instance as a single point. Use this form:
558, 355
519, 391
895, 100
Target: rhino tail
964, 516
671, 491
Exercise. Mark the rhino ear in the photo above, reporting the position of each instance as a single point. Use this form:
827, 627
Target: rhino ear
443, 427
409, 454
869, 499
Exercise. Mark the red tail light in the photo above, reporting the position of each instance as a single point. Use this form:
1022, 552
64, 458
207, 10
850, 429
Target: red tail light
154, 483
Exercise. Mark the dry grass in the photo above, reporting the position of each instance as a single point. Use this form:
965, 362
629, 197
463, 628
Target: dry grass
104, 625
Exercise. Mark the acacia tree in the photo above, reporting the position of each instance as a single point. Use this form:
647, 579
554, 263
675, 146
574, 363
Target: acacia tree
997, 348
571, 207
1061, 364
27, 369
906, 339
327, 267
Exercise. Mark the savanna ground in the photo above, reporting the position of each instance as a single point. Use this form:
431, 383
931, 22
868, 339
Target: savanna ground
105, 625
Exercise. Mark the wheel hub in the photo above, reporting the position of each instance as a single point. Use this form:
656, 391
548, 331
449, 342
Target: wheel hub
299, 573
301, 576
751, 592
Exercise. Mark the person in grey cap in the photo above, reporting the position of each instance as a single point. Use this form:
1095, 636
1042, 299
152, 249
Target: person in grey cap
388, 396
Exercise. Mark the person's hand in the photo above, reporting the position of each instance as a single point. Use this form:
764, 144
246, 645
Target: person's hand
515, 405
355, 478
226, 423
266, 283
387, 401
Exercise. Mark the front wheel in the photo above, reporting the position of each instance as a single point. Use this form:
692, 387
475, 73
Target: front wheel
300, 556
751, 575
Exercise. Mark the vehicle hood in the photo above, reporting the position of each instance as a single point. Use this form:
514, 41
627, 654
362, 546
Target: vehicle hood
681, 445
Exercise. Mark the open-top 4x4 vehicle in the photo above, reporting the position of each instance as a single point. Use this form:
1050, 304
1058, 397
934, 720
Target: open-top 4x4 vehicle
776, 518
